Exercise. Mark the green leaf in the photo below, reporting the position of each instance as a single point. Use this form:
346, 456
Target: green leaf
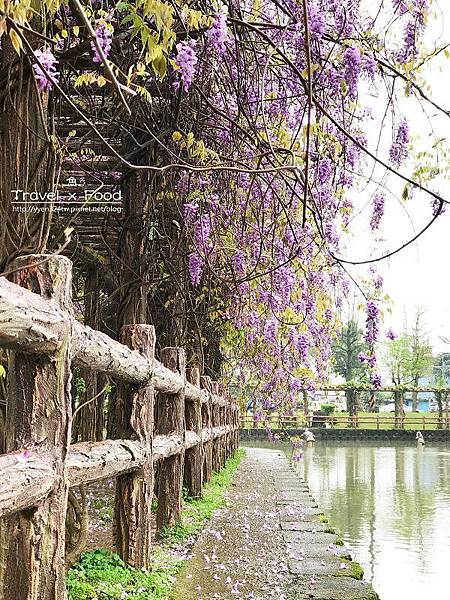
160, 66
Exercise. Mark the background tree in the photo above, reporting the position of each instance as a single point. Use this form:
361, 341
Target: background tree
409, 356
441, 369
347, 349
421, 355
397, 357
349, 344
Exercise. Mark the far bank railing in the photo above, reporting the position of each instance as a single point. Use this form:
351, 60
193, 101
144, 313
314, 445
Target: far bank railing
174, 423
336, 421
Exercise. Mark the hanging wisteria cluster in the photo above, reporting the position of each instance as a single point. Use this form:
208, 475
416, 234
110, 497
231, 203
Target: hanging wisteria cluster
251, 228
267, 135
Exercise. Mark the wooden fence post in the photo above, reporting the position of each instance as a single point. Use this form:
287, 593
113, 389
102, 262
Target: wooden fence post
39, 419
446, 409
207, 424
236, 435
222, 421
438, 396
171, 420
134, 491
229, 420
193, 471
215, 423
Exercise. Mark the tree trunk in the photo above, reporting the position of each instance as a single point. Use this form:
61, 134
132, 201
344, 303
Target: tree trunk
27, 158
415, 396
132, 273
399, 410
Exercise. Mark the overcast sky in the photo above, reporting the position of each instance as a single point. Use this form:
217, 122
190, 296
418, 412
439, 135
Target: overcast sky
420, 274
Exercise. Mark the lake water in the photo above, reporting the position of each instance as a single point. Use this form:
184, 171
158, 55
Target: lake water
391, 503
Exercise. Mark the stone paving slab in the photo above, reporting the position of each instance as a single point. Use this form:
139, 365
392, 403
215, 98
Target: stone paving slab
268, 543
296, 496
325, 564
300, 513
309, 537
296, 549
297, 525
331, 588
307, 503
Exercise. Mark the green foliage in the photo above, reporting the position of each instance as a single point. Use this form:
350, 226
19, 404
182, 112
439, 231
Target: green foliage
397, 357
80, 386
102, 575
197, 512
409, 357
328, 409
345, 352
441, 369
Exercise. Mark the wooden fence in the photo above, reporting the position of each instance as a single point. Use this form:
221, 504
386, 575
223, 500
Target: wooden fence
174, 422
337, 421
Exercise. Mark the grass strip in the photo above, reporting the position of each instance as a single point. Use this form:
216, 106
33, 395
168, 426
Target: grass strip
102, 575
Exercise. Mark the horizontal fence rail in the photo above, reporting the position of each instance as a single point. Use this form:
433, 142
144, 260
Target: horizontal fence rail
30, 323
28, 477
377, 421
173, 429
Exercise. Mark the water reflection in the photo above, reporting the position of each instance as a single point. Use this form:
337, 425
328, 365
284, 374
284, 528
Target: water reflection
392, 504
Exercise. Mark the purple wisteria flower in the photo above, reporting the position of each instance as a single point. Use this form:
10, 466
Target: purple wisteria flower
390, 334
202, 231
239, 262
372, 316
217, 35
378, 211
195, 267
270, 331
437, 208
187, 60
399, 148
316, 22
302, 345
330, 234
352, 61
378, 282
376, 380
190, 211
324, 170
362, 357
400, 6
328, 314
369, 66
104, 34
47, 76
369, 359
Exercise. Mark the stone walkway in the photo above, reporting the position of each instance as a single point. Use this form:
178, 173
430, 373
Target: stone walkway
269, 543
